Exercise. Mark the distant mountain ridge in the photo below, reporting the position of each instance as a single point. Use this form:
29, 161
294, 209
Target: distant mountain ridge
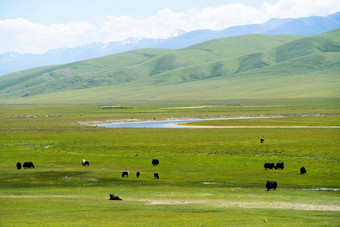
307, 26
247, 66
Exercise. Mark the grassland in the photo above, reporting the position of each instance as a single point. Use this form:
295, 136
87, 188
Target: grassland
323, 120
208, 177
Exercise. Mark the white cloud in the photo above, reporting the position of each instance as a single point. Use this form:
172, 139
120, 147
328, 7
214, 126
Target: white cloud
21, 35
300, 8
160, 25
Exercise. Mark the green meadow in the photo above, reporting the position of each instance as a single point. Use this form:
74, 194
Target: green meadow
208, 177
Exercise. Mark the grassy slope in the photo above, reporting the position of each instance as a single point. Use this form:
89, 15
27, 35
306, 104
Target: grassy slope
253, 66
77, 75
60, 192
135, 65
269, 82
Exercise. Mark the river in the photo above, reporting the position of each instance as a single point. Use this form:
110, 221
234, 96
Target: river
177, 124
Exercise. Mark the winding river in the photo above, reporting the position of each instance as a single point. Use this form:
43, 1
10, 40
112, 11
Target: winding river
177, 124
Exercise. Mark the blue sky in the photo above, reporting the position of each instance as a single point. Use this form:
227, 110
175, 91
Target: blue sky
62, 11
35, 26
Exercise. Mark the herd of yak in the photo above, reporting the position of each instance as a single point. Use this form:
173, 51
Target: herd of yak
155, 162
279, 165
26, 165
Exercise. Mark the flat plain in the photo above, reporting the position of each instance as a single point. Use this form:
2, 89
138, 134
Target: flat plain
208, 177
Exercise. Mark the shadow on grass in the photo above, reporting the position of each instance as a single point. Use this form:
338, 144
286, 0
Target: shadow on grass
53, 179
31, 179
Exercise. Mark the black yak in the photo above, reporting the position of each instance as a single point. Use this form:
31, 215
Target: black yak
155, 162
114, 197
18, 165
271, 185
269, 166
125, 173
155, 176
303, 170
280, 165
138, 174
85, 163
28, 165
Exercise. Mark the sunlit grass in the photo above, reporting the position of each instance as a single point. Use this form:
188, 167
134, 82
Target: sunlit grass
323, 120
211, 177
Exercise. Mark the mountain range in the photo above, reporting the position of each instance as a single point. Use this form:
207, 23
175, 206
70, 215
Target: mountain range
241, 67
307, 26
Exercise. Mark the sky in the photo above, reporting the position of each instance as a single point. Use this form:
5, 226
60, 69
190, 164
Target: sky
36, 26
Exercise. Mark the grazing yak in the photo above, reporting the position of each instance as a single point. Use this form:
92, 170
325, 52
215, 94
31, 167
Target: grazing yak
18, 165
85, 163
138, 174
280, 165
155, 162
28, 165
269, 165
303, 170
114, 197
155, 176
271, 185
125, 173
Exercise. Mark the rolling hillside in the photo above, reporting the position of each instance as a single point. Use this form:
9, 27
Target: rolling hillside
250, 66
306, 26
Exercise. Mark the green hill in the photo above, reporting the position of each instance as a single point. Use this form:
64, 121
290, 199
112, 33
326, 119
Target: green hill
251, 66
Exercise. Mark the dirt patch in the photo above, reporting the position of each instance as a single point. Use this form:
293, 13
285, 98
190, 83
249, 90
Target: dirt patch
218, 203
279, 205
95, 123
223, 203
190, 107
164, 202
322, 189
210, 183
